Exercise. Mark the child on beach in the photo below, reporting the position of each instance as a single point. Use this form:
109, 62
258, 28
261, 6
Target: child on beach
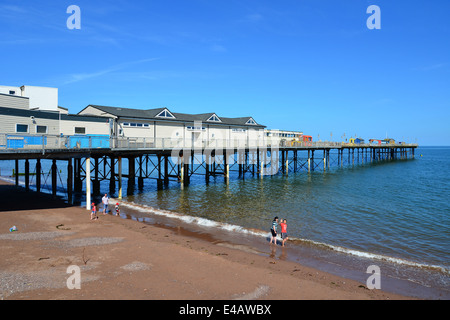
94, 211
284, 235
117, 209
273, 231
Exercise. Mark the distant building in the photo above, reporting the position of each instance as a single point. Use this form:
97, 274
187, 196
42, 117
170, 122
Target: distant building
40, 98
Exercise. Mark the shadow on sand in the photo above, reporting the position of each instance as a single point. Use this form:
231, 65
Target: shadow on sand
14, 198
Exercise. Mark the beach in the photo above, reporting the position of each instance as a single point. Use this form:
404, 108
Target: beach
122, 259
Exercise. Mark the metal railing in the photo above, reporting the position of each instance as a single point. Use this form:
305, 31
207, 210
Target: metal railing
12, 142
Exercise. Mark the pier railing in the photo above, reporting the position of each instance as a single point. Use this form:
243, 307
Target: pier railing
12, 142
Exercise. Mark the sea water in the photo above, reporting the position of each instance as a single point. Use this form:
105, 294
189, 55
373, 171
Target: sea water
392, 214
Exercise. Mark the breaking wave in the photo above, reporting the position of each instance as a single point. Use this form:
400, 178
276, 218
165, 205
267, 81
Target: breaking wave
261, 233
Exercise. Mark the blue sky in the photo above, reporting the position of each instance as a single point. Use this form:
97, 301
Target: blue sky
308, 65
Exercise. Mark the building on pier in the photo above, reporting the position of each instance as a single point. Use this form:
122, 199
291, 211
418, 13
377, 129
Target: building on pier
162, 123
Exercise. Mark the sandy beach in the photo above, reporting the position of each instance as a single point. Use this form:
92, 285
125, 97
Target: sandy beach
122, 259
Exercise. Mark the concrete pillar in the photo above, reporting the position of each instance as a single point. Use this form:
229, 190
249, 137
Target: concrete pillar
120, 177
88, 183
287, 163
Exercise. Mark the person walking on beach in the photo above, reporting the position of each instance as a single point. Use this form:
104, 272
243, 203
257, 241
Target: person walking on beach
284, 235
273, 231
105, 201
94, 211
117, 209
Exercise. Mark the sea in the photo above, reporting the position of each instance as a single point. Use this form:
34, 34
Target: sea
346, 220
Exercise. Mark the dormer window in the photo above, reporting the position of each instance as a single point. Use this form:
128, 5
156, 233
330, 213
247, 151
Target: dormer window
214, 118
251, 121
165, 114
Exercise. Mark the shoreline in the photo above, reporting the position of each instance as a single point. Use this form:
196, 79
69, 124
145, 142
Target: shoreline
127, 259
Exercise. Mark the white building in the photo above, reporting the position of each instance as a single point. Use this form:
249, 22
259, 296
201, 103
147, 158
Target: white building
162, 127
40, 98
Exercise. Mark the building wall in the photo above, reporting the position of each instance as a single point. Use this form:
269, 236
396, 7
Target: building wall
9, 101
55, 123
42, 98
10, 122
69, 124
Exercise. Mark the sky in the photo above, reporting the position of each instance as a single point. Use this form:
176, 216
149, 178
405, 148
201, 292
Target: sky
303, 65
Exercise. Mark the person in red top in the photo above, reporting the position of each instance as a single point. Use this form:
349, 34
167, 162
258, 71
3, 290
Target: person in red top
284, 235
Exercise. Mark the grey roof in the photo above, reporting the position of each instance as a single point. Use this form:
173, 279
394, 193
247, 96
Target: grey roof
179, 117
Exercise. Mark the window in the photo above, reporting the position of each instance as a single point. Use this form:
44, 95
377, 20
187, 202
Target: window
12, 92
80, 130
251, 121
41, 129
237, 130
21, 128
214, 118
165, 114
196, 128
136, 125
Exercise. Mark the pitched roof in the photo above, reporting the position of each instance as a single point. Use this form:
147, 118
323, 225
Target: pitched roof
152, 114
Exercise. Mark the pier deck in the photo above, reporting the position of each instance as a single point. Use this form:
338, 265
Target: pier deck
174, 160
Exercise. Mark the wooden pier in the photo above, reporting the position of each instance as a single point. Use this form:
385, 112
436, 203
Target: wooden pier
90, 166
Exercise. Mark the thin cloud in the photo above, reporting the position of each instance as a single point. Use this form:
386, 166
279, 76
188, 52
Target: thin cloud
73, 78
432, 67
254, 17
218, 48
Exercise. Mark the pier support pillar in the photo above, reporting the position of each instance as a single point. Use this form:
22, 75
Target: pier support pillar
119, 161
54, 176
96, 182
131, 175
69, 180
295, 161
38, 175
286, 164
112, 178
141, 178
166, 170
27, 175
226, 167
258, 169
77, 175
207, 167
159, 184
181, 169
16, 173
309, 160
88, 183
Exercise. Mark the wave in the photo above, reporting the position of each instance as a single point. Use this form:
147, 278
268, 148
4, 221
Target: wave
261, 233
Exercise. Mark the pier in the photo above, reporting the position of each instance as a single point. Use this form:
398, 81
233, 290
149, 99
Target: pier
171, 160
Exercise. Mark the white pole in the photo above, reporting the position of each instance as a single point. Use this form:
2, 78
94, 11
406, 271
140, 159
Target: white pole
88, 183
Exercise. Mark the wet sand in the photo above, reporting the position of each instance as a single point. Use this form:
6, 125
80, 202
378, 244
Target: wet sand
125, 259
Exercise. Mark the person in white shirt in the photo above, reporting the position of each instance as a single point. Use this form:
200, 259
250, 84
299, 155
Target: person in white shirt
105, 201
